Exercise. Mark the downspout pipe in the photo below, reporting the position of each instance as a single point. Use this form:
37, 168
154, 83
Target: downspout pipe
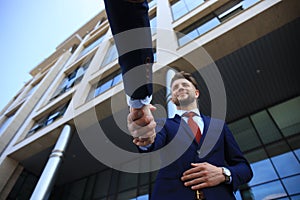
44, 186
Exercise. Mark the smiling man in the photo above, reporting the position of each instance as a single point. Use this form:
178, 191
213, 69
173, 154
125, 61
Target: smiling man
215, 176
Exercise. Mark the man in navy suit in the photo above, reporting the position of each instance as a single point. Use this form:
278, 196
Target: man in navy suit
214, 176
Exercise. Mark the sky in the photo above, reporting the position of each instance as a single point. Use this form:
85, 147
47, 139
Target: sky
30, 32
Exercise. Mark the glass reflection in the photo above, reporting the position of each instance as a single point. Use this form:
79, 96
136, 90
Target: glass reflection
292, 184
282, 161
263, 171
273, 190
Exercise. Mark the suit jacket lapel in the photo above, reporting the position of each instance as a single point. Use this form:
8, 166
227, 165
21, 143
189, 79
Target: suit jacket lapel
186, 128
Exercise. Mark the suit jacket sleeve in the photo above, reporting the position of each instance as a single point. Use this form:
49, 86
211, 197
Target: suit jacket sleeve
130, 25
237, 163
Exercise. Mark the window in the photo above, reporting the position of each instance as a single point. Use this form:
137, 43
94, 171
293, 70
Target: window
245, 134
48, 119
111, 54
286, 118
151, 3
265, 127
154, 55
153, 23
72, 79
105, 84
5, 123
270, 140
210, 21
196, 29
182, 7
91, 46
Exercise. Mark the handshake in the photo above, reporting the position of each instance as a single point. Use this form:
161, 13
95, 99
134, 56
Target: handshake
141, 125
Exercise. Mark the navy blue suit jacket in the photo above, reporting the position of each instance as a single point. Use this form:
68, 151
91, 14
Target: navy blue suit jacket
176, 134
130, 25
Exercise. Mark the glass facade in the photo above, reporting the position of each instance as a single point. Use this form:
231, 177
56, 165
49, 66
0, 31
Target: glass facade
210, 21
108, 184
270, 141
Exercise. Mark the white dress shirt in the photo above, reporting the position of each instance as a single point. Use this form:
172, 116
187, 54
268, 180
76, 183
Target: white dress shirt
197, 118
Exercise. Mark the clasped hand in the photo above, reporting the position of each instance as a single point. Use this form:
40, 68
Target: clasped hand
202, 175
141, 125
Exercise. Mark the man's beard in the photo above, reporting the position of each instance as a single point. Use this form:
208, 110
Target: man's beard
184, 102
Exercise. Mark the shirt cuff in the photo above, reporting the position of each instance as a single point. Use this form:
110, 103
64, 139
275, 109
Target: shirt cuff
145, 148
138, 103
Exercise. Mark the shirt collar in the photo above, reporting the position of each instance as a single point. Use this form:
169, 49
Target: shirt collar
181, 112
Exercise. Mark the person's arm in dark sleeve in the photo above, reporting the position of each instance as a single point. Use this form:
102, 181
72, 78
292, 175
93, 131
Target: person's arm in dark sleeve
130, 25
239, 167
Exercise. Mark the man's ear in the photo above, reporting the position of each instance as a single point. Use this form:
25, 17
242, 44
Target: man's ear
197, 93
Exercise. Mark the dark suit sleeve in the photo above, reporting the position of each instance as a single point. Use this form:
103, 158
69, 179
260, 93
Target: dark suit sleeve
238, 165
129, 22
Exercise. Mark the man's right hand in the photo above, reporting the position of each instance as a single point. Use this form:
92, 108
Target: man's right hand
141, 125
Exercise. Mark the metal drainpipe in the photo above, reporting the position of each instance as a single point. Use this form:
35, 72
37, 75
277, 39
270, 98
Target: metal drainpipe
47, 179
171, 106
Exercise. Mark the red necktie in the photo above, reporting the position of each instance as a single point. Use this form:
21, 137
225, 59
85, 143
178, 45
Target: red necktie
193, 125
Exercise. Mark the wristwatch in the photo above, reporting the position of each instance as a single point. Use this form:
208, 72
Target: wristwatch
226, 172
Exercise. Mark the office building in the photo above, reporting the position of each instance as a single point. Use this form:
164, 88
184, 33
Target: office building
245, 56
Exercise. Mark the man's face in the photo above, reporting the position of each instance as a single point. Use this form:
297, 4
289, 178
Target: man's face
184, 92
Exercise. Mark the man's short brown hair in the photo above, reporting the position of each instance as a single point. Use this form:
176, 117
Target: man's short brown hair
185, 75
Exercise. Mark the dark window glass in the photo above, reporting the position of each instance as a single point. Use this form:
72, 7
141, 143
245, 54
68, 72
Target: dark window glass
77, 189
143, 192
228, 10
287, 117
102, 184
131, 194
277, 148
294, 141
256, 155
245, 134
49, 119
72, 79
265, 127
127, 181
